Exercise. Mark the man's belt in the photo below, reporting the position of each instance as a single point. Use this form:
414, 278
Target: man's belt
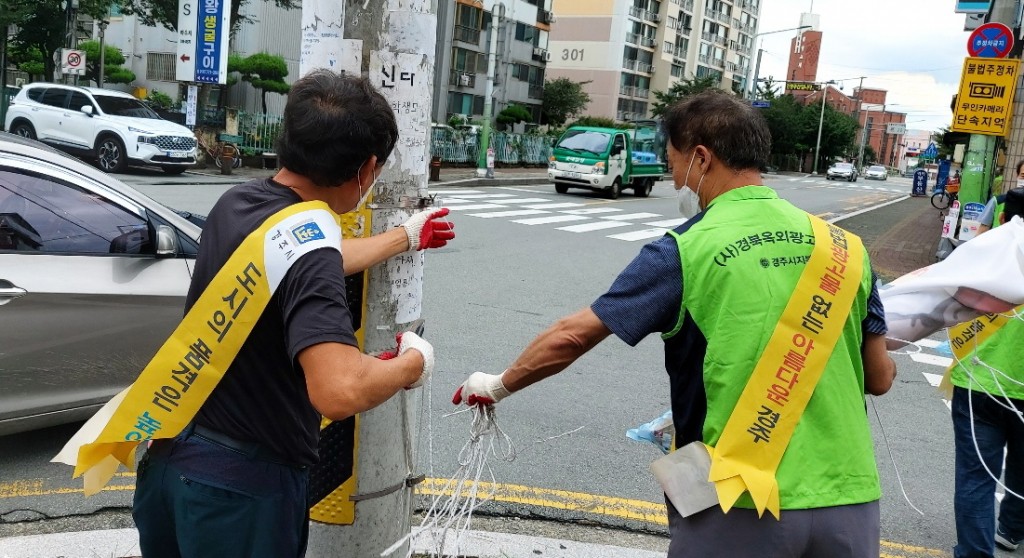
253, 450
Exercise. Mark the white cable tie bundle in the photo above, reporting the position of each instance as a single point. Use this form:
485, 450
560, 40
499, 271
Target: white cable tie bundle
452, 508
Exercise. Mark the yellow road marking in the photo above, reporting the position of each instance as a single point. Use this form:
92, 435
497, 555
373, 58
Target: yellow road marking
622, 508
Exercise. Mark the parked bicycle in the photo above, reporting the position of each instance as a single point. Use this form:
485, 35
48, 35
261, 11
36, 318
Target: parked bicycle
217, 150
942, 200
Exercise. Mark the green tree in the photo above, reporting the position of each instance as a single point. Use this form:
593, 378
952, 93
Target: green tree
681, 90
113, 64
513, 114
563, 99
768, 89
165, 12
594, 121
265, 72
41, 32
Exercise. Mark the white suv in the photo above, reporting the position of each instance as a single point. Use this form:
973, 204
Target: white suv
112, 127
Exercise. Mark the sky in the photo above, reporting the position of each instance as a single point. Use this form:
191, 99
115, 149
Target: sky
914, 49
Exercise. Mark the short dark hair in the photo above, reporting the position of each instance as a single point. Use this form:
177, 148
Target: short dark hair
733, 130
1019, 165
332, 124
1013, 203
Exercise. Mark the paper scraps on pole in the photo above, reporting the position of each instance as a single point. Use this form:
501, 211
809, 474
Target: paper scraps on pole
985, 275
451, 511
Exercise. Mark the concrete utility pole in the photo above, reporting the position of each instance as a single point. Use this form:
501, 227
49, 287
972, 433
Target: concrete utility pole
392, 42
102, 68
483, 169
865, 132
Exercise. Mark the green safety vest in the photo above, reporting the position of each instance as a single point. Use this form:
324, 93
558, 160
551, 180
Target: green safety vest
1002, 351
742, 261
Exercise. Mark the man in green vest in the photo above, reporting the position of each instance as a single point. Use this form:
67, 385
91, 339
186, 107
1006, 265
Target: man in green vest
994, 208
988, 402
741, 325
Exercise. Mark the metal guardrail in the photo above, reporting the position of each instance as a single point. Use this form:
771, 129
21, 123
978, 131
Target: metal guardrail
458, 147
258, 132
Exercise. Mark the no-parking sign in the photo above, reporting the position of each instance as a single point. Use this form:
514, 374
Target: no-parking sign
72, 62
992, 40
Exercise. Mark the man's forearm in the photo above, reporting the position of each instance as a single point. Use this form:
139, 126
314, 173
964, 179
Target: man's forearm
555, 349
360, 254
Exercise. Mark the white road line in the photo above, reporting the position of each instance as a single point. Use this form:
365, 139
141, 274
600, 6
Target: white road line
483, 196
531, 190
930, 343
590, 210
595, 226
552, 219
638, 235
532, 200
456, 192
668, 223
926, 358
933, 379
478, 206
808, 181
555, 205
632, 216
515, 213
793, 179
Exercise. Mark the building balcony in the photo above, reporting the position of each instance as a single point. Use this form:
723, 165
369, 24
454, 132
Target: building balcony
710, 61
625, 116
648, 42
536, 91
679, 52
633, 38
636, 12
713, 38
466, 34
629, 63
724, 18
742, 49
461, 79
651, 17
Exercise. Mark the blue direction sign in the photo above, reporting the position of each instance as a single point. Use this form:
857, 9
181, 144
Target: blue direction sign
931, 152
760, 104
992, 40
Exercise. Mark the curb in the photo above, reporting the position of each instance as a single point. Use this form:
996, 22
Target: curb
868, 209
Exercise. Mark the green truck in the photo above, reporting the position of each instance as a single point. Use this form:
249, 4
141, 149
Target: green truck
609, 159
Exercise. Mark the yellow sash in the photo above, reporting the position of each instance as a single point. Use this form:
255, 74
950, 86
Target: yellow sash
176, 382
966, 337
762, 423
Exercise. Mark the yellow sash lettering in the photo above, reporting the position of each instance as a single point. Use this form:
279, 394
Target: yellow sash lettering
966, 337
762, 424
177, 381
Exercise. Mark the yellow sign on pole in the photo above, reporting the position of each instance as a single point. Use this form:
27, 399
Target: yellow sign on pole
984, 104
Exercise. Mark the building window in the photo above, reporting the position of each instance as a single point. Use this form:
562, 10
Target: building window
160, 66
464, 103
527, 33
114, 10
468, 62
677, 71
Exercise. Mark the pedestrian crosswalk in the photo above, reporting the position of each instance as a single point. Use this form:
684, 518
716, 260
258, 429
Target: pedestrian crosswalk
565, 216
861, 184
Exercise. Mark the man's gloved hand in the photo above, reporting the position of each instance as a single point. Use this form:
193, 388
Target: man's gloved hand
409, 341
424, 231
481, 389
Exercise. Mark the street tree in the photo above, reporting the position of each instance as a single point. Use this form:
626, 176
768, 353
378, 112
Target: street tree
113, 63
265, 72
768, 89
563, 99
165, 12
513, 114
41, 32
681, 90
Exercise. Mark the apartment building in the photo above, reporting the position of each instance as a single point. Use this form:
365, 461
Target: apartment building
460, 78
626, 49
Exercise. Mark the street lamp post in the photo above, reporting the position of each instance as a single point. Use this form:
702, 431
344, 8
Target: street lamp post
484, 142
750, 85
821, 122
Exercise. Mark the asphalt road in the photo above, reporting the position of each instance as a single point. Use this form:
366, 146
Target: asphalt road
521, 260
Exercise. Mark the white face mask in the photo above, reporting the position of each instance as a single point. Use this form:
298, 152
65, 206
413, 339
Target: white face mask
689, 200
1020, 182
364, 195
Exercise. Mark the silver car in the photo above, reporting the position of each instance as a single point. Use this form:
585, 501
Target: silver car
842, 171
93, 276
876, 172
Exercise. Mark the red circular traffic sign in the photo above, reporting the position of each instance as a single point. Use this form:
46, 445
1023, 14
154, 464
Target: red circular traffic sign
992, 40
74, 59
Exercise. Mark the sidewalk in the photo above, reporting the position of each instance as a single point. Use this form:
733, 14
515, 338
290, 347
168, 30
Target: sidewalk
464, 177
900, 237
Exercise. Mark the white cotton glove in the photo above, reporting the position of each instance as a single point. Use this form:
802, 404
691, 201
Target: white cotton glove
424, 230
412, 342
481, 389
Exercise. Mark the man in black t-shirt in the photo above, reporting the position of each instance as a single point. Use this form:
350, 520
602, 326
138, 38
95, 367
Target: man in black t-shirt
234, 482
